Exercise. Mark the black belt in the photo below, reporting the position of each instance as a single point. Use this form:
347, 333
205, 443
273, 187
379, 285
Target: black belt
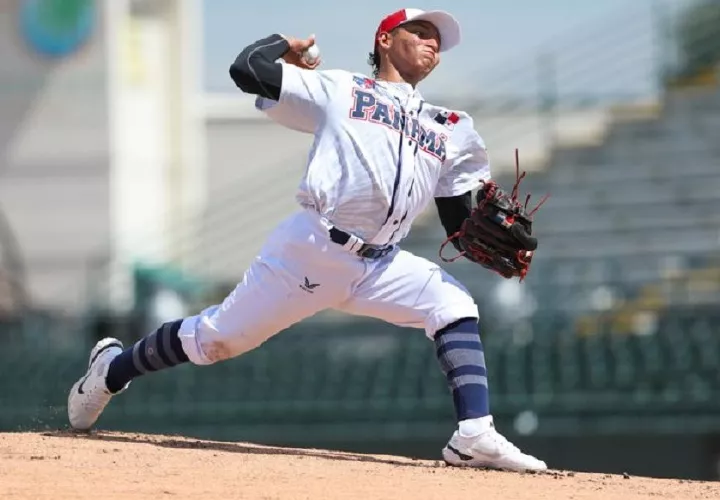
367, 251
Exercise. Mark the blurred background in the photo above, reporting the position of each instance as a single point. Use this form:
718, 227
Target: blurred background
136, 183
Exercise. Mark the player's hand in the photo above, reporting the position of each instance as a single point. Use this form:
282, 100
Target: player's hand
297, 47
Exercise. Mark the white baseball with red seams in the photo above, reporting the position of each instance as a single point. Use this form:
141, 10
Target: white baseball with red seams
380, 154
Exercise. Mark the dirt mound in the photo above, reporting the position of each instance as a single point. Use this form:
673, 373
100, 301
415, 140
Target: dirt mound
119, 465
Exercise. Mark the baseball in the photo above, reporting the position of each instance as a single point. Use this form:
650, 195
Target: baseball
311, 54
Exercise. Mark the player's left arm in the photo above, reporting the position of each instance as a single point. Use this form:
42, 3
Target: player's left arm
453, 210
467, 166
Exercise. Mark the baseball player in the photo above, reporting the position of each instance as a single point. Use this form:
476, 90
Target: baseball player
380, 155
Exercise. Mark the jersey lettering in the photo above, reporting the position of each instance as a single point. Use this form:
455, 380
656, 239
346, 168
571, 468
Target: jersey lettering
382, 114
363, 103
367, 107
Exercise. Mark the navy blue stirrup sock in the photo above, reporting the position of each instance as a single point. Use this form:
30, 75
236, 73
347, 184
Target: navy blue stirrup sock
462, 360
161, 349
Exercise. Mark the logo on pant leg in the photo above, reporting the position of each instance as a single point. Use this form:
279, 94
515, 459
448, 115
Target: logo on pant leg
309, 287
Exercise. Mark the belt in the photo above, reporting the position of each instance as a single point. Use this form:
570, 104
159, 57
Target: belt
357, 246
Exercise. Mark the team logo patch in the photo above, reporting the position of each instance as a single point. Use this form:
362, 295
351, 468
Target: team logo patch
447, 118
309, 287
366, 83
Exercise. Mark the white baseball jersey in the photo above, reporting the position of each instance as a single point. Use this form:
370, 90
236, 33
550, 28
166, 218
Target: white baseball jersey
381, 153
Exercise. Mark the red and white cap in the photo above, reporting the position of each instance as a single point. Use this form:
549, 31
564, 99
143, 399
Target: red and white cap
446, 24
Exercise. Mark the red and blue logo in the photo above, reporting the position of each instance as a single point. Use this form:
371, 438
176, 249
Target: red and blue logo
364, 82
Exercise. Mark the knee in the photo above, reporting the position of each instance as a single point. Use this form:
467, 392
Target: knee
467, 324
207, 340
215, 351
204, 343
216, 345
451, 314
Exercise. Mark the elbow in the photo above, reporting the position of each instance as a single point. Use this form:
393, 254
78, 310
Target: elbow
241, 73
254, 74
254, 71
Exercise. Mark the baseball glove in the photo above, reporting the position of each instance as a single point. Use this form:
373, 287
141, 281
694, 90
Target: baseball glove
498, 233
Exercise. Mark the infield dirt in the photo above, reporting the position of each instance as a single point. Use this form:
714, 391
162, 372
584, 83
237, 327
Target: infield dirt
112, 465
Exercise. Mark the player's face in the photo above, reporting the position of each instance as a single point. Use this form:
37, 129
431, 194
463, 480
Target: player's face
415, 49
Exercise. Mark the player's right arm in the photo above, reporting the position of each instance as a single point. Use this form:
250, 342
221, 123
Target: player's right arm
293, 96
255, 70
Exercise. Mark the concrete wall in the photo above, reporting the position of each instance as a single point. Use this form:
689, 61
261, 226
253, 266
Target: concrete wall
54, 160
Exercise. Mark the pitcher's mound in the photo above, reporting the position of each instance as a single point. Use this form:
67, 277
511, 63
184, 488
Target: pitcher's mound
112, 465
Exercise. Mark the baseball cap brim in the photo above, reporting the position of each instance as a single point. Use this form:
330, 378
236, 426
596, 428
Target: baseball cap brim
448, 27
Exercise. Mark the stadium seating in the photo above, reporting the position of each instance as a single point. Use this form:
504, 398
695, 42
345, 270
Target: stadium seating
630, 216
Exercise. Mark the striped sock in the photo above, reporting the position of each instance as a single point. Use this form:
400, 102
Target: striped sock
460, 353
161, 349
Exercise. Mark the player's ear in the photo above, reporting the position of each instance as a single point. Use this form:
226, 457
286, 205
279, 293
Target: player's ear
384, 40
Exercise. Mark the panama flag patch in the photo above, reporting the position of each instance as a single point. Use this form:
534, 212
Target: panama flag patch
447, 118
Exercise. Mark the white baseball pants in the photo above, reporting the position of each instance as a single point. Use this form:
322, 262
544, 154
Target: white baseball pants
300, 271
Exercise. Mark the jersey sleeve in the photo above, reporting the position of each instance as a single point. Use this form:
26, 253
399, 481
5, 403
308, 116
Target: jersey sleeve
304, 98
467, 163
285, 115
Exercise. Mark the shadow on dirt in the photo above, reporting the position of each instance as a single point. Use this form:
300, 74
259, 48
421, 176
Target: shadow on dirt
190, 443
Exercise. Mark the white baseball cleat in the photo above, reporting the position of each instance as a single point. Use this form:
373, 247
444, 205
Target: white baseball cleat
489, 449
89, 396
